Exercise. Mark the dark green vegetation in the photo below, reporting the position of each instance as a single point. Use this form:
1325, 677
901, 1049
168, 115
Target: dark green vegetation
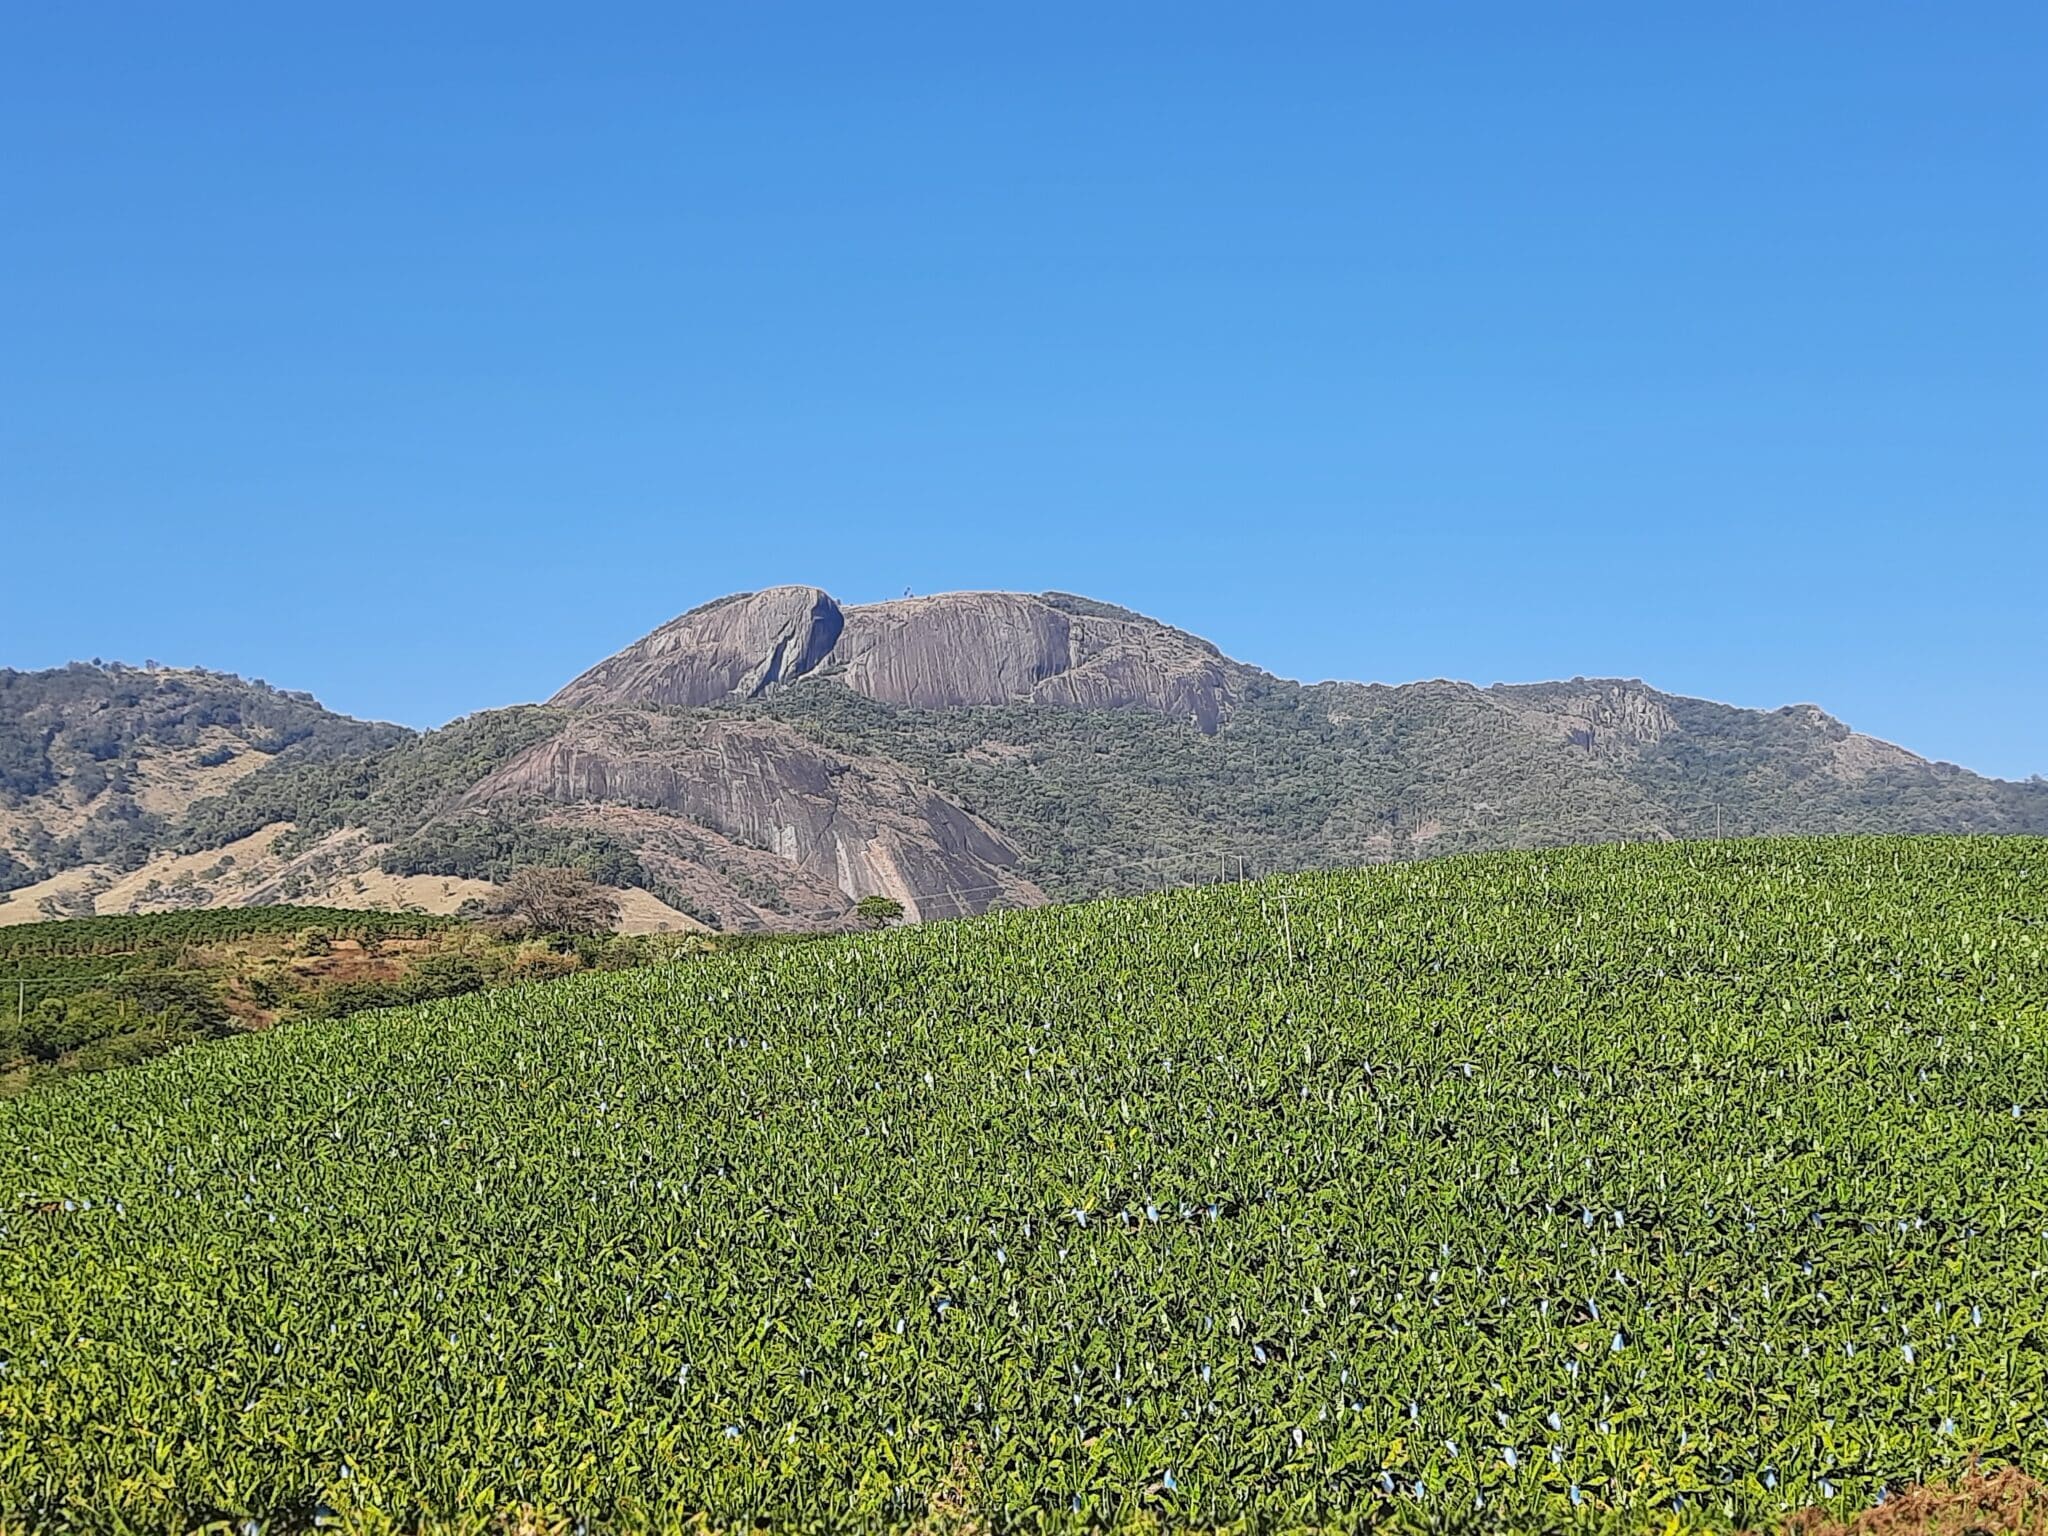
1517, 1187
323, 773
1124, 801
101, 992
1329, 777
123, 939
390, 794
1342, 774
94, 993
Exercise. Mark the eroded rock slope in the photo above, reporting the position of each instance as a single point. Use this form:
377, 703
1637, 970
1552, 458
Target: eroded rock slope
848, 825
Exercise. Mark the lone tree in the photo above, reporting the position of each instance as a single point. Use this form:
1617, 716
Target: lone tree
878, 911
554, 899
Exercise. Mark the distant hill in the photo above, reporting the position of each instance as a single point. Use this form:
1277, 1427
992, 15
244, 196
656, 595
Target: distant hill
100, 763
765, 760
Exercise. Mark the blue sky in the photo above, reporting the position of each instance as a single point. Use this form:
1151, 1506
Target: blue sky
421, 355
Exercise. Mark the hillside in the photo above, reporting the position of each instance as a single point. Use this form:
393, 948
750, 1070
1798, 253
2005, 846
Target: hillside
99, 763
95, 993
767, 760
1545, 1187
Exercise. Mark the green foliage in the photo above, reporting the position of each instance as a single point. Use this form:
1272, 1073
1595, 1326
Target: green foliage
107, 991
55, 724
93, 728
496, 845
1711, 1176
390, 794
878, 911
559, 900
123, 1018
99, 992
421, 984
125, 936
96, 1030
752, 888
1327, 776
1339, 775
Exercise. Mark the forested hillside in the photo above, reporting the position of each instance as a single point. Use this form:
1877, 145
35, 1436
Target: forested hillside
1342, 774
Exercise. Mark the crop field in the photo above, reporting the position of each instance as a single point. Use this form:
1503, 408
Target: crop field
43, 959
134, 933
1606, 1187
102, 993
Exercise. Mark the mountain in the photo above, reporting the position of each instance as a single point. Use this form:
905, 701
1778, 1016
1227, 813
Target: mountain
764, 761
958, 650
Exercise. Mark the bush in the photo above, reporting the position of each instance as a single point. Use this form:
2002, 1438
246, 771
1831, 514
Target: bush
878, 911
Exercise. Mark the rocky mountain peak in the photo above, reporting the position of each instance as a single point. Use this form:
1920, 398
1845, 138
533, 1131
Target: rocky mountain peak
950, 650
735, 647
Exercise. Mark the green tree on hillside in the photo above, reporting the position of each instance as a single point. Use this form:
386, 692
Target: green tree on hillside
557, 899
878, 911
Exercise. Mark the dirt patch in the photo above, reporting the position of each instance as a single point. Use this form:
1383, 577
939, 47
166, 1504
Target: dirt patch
378, 889
25, 903
1975, 1504
348, 960
208, 877
168, 780
643, 912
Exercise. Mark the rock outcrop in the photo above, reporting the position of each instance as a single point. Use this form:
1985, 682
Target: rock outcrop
955, 650
854, 826
1611, 715
733, 648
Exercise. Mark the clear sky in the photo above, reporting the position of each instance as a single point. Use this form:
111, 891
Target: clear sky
420, 355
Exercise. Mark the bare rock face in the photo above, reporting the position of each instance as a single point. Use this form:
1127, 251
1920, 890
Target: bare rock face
938, 652
955, 650
1618, 714
854, 826
733, 648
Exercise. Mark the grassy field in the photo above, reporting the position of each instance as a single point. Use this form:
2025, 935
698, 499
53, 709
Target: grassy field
1615, 1186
